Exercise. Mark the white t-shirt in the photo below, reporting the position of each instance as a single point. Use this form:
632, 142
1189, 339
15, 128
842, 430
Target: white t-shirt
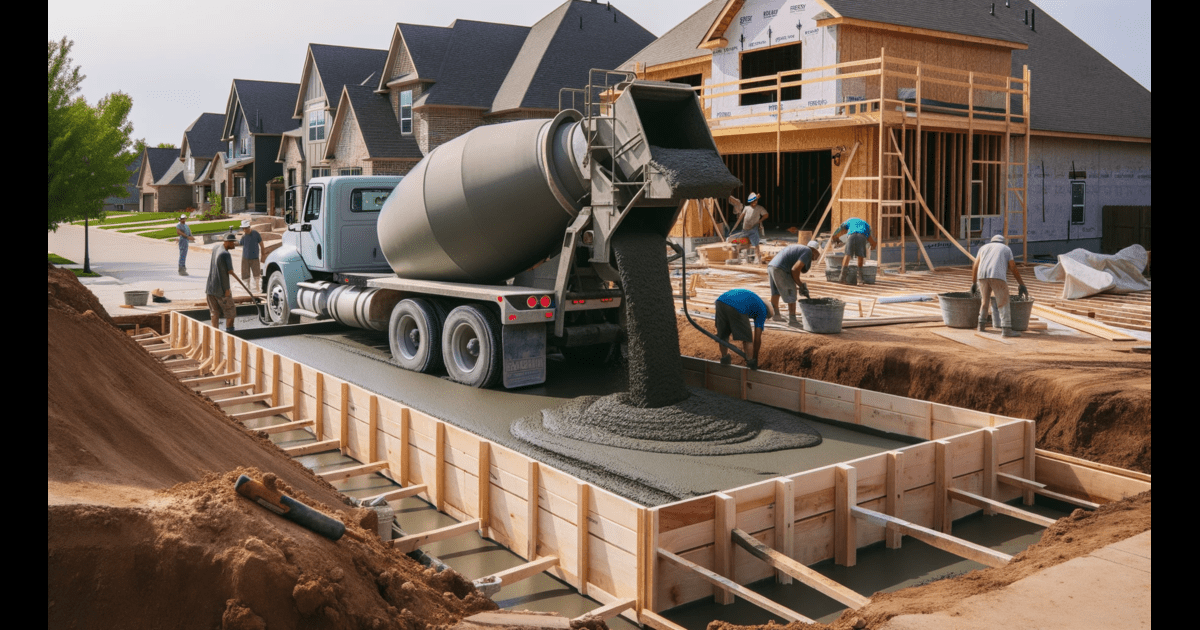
993, 261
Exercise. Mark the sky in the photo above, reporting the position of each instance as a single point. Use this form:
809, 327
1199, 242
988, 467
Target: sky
177, 60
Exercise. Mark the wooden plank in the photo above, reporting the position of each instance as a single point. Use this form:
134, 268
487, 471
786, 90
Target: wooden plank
286, 426
807, 576
415, 541
297, 385
741, 591
405, 454
516, 620
319, 408
311, 448
648, 555
344, 420
724, 522
1033, 486
353, 471
215, 378
484, 492
945, 542
1030, 468
894, 499
231, 389
785, 521
997, 507
524, 571
531, 514
261, 413
845, 497
439, 470
242, 400
1095, 481
396, 495
275, 379
607, 611
1082, 324
943, 478
582, 538
657, 621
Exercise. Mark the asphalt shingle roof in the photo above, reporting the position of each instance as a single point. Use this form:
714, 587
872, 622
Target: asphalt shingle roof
161, 161
204, 135
426, 46
377, 123
478, 56
268, 105
680, 42
344, 65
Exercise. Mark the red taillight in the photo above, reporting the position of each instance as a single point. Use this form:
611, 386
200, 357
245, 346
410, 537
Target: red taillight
549, 314
545, 301
605, 299
579, 301
512, 317
531, 302
499, 298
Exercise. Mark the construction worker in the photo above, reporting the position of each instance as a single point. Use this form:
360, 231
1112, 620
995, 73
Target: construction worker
784, 274
752, 216
735, 309
858, 234
251, 243
217, 291
185, 236
989, 280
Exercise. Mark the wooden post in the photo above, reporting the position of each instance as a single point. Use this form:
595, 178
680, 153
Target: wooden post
319, 415
845, 530
531, 511
485, 485
344, 425
297, 389
803, 388
785, 520
991, 465
258, 370
405, 456
1029, 471
942, 481
275, 380
439, 471
650, 597
894, 502
582, 542
373, 430
724, 522
245, 377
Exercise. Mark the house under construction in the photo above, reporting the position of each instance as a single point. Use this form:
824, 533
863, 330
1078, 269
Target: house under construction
940, 123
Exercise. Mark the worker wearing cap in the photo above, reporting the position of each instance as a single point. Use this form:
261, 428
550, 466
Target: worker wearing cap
752, 216
989, 279
784, 274
251, 243
220, 298
858, 235
185, 236
735, 309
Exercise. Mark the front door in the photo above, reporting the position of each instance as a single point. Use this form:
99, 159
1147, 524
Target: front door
312, 229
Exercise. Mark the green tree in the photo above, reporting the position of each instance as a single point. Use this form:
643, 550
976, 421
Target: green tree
166, 145
88, 147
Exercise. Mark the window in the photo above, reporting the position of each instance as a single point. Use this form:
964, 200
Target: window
291, 177
406, 111
230, 154
239, 186
320, 172
1077, 207
350, 171
766, 63
245, 145
191, 164
316, 125
368, 199
312, 206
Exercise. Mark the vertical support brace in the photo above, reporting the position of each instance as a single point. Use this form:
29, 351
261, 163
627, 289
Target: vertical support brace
405, 455
785, 519
845, 527
531, 513
439, 470
275, 380
485, 486
373, 429
259, 369
1029, 471
723, 525
319, 412
650, 599
245, 378
297, 387
582, 535
894, 502
942, 481
991, 465
344, 425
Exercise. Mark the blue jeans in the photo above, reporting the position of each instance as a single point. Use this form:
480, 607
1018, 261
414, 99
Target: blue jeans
183, 250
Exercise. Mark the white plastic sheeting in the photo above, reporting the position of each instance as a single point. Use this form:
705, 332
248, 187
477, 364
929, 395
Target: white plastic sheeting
1085, 273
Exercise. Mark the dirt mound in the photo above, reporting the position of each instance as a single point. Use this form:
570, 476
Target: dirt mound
1076, 535
1090, 399
63, 286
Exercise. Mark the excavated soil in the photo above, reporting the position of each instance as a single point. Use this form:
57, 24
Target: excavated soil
145, 530
1076, 535
1090, 398
62, 285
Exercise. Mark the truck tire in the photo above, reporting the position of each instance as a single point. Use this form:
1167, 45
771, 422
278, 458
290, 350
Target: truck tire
471, 346
415, 335
277, 304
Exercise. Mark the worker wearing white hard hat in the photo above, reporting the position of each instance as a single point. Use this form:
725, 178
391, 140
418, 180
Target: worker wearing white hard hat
184, 236
752, 216
989, 279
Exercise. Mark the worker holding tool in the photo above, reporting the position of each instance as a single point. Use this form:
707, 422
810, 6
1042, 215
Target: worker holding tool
185, 236
251, 243
989, 280
220, 298
735, 309
858, 235
784, 274
752, 216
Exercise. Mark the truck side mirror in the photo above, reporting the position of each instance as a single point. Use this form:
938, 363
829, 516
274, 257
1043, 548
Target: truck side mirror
289, 217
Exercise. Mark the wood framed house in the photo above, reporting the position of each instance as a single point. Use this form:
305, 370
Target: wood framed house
257, 115
940, 122
201, 143
161, 182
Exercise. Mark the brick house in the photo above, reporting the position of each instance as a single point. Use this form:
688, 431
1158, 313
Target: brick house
201, 143
257, 115
161, 182
130, 200
438, 83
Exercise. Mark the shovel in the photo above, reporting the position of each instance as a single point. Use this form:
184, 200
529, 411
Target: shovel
259, 304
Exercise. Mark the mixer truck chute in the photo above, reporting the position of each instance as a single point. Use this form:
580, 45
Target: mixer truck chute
497, 244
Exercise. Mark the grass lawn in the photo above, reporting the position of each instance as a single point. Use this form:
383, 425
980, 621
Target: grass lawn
80, 274
135, 217
58, 260
197, 230
120, 227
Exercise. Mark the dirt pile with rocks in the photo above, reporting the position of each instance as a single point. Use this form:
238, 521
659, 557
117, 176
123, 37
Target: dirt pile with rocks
63, 287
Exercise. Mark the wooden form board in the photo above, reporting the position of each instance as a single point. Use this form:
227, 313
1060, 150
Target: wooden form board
604, 543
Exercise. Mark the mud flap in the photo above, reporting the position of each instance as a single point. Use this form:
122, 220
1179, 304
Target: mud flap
524, 354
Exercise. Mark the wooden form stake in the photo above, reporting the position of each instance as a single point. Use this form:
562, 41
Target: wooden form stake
531, 510
785, 520
991, 465
405, 456
275, 379
807, 576
942, 480
894, 502
1029, 470
845, 531
297, 389
373, 424
725, 584
258, 371
344, 421
485, 486
724, 523
945, 542
439, 471
582, 542
319, 412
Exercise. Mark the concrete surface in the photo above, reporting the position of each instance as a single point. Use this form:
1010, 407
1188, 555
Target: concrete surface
1108, 588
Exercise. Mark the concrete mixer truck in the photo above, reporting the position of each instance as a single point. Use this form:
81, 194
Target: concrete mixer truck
497, 245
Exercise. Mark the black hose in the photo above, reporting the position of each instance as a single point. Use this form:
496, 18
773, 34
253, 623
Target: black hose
688, 315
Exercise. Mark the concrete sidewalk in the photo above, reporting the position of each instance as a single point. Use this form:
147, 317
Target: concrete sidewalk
127, 262
1108, 588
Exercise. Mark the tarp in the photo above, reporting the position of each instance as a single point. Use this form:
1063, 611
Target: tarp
1085, 273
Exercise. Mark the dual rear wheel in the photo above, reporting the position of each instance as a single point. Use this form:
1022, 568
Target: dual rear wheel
466, 341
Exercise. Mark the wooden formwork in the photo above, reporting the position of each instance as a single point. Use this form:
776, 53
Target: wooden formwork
644, 560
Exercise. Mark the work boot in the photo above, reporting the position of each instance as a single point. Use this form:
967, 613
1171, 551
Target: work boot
983, 324
229, 329
183, 270
726, 360
1009, 332
793, 322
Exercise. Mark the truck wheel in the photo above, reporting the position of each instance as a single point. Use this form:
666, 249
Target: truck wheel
277, 304
415, 335
471, 346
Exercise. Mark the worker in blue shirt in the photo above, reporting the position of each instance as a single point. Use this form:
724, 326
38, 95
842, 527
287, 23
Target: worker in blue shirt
858, 234
735, 309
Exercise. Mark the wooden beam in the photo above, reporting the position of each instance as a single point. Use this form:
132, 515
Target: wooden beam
785, 521
894, 501
524, 571
991, 465
792, 568
439, 472
945, 542
483, 473
319, 412
724, 522
1029, 470
373, 429
353, 471
943, 478
275, 380
758, 600
297, 386
415, 541
999, 508
259, 369
531, 509
344, 424
261, 413
657, 621
845, 498
231, 389
285, 427
311, 448
242, 400
582, 536
402, 493
1039, 488
608, 611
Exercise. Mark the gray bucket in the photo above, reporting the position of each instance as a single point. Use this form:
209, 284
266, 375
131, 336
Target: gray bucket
1019, 312
136, 298
960, 309
822, 315
868, 274
834, 261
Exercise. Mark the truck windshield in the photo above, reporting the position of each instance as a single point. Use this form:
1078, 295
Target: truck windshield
368, 199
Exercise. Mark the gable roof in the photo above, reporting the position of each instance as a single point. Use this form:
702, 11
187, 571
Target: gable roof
562, 48
681, 42
160, 161
477, 57
338, 66
266, 105
296, 138
376, 121
425, 47
203, 136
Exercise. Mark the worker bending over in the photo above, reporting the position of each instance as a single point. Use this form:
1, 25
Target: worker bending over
989, 278
784, 273
858, 234
216, 290
752, 216
735, 309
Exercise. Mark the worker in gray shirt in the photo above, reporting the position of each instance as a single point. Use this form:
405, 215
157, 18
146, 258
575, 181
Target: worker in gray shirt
220, 297
251, 243
989, 279
784, 273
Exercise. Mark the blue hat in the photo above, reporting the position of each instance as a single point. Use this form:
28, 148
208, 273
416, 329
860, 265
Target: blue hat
752, 198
